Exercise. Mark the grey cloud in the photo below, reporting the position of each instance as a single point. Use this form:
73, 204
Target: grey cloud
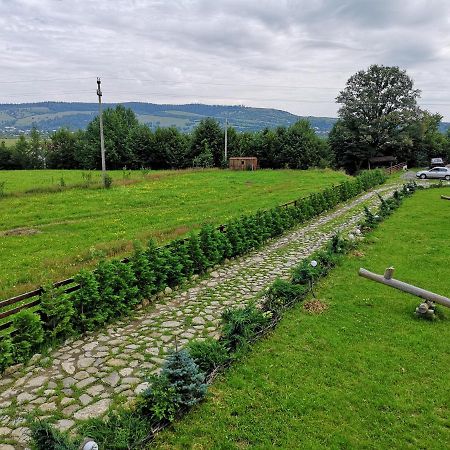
182, 45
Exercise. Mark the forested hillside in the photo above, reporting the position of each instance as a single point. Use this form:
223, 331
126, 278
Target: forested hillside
50, 116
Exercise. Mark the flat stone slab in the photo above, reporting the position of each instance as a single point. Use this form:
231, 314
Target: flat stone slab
64, 424
94, 410
112, 379
68, 367
170, 324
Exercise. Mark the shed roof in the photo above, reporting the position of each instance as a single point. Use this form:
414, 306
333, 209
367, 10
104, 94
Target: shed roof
382, 159
242, 157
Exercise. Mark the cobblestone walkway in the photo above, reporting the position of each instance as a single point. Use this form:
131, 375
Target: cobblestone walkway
84, 377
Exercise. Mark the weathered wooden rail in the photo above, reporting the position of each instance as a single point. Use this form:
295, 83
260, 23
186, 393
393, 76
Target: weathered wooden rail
444, 197
35, 295
405, 287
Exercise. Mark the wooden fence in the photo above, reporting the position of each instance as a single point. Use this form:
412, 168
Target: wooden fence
34, 296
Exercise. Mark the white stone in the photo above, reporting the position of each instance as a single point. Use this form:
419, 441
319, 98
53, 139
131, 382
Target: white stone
68, 368
112, 379
85, 399
198, 321
24, 397
37, 381
141, 388
85, 362
64, 424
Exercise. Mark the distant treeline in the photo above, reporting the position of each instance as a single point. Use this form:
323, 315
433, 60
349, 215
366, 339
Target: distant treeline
133, 145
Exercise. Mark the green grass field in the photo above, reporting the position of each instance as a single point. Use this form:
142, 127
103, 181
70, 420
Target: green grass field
365, 374
19, 182
49, 236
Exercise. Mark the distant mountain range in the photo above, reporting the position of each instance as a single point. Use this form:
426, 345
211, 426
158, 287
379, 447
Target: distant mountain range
50, 116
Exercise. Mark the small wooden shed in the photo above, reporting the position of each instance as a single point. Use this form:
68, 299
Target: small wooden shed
382, 161
243, 163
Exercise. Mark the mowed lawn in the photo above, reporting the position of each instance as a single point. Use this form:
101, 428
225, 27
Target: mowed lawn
364, 374
48, 236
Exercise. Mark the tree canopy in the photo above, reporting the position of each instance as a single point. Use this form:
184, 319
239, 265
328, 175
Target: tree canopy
378, 109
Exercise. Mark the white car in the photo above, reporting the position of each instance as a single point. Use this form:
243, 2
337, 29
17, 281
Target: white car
437, 172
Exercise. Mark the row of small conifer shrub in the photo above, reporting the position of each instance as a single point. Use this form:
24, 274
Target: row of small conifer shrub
115, 288
186, 373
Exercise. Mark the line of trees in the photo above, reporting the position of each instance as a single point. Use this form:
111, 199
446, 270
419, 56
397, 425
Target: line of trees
134, 145
379, 116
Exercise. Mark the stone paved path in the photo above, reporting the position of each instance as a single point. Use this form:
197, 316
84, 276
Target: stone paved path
84, 377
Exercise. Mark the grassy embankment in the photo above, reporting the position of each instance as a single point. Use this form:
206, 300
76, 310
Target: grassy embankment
48, 236
366, 373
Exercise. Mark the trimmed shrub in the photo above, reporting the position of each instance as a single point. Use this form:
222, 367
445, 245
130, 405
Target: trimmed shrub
172, 266
184, 375
180, 253
145, 278
240, 326
29, 334
179, 385
280, 294
122, 429
161, 400
156, 265
87, 303
196, 255
224, 245
56, 311
210, 245
6, 353
117, 288
208, 354
235, 237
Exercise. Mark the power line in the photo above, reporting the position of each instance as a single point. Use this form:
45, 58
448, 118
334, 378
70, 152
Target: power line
201, 83
43, 80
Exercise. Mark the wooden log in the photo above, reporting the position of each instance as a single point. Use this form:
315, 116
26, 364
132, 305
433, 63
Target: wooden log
405, 287
444, 197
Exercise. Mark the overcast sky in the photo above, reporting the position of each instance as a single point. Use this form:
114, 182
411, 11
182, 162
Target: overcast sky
291, 55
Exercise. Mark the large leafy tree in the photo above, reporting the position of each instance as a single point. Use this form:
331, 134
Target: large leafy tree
118, 122
378, 106
208, 130
171, 149
62, 150
301, 148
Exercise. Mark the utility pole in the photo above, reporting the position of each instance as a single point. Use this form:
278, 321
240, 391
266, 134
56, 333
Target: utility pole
226, 141
102, 140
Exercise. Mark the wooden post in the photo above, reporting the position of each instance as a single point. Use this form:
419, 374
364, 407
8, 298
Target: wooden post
405, 287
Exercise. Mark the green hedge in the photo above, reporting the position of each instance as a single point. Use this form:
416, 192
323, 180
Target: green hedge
182, 382
114, 288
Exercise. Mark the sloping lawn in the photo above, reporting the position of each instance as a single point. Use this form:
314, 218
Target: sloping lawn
366, 373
